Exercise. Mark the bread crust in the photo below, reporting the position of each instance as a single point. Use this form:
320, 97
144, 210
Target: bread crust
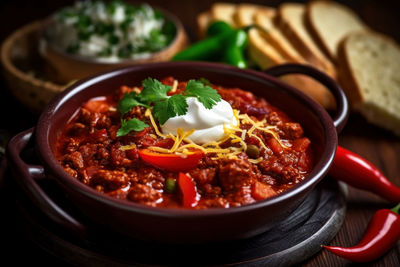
316, 58
345, 77
372, 109
244, 15
223, 11
314, 28
203, 20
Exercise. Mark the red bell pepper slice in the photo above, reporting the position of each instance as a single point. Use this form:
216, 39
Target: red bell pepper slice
171, 162
188, 189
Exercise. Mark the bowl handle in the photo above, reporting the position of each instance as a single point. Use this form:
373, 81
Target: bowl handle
26, 174
342, 110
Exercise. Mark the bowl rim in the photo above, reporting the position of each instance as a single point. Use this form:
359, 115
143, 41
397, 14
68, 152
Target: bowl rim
43, 149
9, 65
89, 60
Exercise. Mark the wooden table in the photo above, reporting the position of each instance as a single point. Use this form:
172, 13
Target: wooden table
375, 144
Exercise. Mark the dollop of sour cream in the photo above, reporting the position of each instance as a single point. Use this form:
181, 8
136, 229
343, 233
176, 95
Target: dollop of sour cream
208, 124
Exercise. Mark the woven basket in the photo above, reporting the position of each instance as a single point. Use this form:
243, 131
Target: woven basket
20, 59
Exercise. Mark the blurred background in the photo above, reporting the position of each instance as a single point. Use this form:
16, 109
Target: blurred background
381, 16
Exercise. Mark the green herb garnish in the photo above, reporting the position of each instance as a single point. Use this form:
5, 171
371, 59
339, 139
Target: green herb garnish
124, 41
131, 125
164, 106
204, 93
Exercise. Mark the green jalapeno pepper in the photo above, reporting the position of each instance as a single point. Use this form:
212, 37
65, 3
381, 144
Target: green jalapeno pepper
234, 53
218, 27
209, 49
223, 44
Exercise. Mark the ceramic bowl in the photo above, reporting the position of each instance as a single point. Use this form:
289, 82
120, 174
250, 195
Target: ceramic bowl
68, 67
179, 225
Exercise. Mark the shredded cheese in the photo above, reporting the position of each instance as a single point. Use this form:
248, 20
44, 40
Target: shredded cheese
174, 86
184, 146
128, 147
150, 115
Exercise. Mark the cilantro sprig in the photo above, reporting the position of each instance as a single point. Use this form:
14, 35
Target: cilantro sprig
154, 95
131, 125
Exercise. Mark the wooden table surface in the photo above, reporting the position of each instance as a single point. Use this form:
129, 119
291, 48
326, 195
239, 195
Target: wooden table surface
375, 144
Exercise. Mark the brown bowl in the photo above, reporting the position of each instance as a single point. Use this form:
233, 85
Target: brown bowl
179, 225
69, 67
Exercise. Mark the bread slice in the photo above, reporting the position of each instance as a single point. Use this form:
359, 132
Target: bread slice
274, 37
244, 15
292, 23
369, 67
223, 11
330, 22
261, 51
203, 20
265, 20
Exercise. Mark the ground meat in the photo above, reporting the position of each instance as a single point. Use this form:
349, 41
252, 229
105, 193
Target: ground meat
70, 171
75, 159
144, 194
148, 175
118, 156
203, 176
235, 173
242, 196
94, 119
109, 180
71, 145
218, 202
119, 194
292, 130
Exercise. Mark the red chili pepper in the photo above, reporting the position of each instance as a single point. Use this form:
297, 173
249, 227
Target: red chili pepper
171, 162
188, 189
382, 233
360, 173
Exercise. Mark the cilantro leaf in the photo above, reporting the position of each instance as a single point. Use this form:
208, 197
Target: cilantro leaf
204, 81
129, 101
131, 125
173, 106
204, 93
161, 111
153, 90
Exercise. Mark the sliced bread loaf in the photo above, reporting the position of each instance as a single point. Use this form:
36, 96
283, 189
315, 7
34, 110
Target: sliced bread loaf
369, 67
330, 22
291, 20
203, 20
244, 15
275, 47
262, 52
223, 11
265, 20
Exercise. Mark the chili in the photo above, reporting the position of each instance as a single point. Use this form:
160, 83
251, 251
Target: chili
265, 163
360, 173
382, 233
171, 162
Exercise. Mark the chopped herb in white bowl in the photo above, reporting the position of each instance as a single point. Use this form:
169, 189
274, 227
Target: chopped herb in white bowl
110, 32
